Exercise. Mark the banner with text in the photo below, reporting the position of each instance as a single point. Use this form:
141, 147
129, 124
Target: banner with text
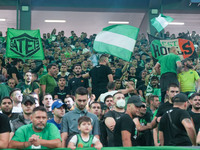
24, 44
159, 48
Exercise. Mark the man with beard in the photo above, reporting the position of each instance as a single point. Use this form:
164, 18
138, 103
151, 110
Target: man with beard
153, 88
39, 134
28, 104
195, 111
153, 105
69, 125
47, 82
6, 108
27, 86
78, 80
100, 75
188, 77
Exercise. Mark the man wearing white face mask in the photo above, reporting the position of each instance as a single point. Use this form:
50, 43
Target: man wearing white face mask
112, 116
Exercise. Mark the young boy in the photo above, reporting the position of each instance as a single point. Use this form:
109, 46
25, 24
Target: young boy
84, 139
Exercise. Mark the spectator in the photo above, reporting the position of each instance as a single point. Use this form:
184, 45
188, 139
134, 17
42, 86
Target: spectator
188, 78
69, 101
78, 80
47, 82
112, 90
4, 131
176, 127
109, 102
4, 90
168, 66
61, 91
39, 134
28, 86
95, 108
195, 111
58, 110
99, 79
69, 124
81, 140
63, 71
47, 102
28, 104
14, 71
6, 108
124, 131
143, 126
36, 97
16, 97
11, 83
111, 117
153, 105
153, 87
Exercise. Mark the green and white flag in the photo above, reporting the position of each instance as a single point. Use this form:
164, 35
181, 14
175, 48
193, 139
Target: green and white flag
117, 40
161, 22
24, 44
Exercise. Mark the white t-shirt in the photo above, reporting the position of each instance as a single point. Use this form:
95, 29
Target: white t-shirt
17, 110
102, 96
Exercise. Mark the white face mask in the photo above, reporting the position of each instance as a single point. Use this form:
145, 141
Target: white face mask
121, 103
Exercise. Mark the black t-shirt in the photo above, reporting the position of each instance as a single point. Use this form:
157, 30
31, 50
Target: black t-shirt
74, 83
99, 75
4, 124
116, 116
175, 135
14, 116
61, 93
124, 123
14, 70
163, 108
195, 117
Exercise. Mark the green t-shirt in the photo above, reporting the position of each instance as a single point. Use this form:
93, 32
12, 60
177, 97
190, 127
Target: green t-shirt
168, 63
50, 132
83, 144
2, 39
50, 83
27, 89
4, 91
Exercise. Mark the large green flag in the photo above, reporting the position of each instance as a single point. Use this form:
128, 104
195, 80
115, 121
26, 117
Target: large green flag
24, 44
117, 40
161, 22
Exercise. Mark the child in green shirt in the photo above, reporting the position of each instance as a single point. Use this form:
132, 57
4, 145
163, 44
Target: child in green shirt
84, 139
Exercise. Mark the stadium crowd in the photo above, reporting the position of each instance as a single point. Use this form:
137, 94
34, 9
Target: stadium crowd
77, 97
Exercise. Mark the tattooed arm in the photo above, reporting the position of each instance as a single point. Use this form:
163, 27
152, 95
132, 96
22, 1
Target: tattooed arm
189, 127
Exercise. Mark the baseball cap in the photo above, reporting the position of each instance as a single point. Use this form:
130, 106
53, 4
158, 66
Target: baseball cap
57, 104
180, 98
136, 100
27, 98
